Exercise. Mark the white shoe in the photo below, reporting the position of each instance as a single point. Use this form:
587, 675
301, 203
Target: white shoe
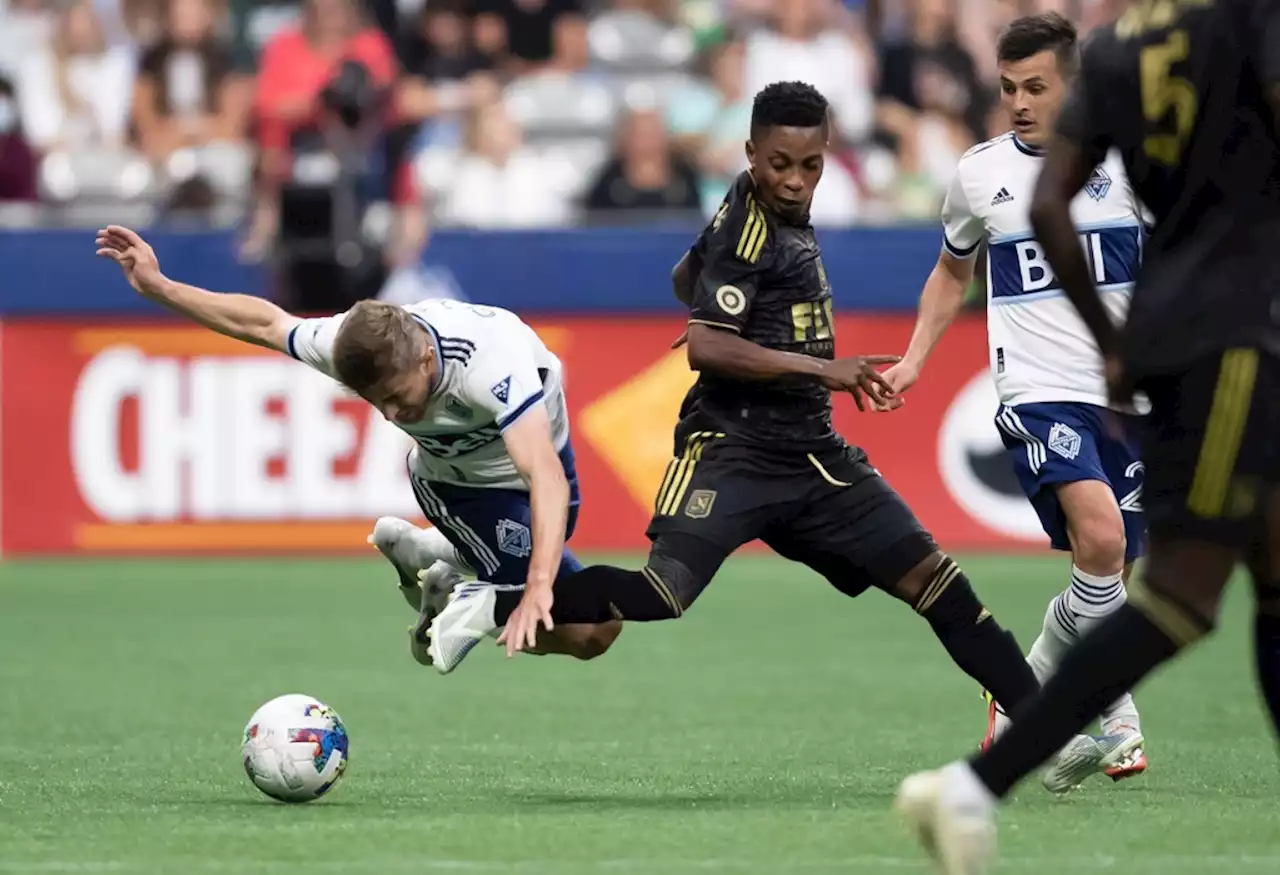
394, 539
463, 624
437, 584
954, 818
1088, 755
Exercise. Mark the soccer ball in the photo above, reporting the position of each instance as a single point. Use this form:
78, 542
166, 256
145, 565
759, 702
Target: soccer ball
295, 748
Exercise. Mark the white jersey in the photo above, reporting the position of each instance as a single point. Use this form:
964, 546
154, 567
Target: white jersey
494, 369
1040, 348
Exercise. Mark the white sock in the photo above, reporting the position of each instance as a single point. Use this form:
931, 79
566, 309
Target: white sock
1071, 616
1056, 636
1092, 597
433, 546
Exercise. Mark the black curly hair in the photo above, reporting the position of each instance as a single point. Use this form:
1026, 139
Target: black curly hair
788, 105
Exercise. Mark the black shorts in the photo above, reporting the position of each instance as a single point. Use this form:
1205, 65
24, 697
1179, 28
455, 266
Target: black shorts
1211, 447
832, 512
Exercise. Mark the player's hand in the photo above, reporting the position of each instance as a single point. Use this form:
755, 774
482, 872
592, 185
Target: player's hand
857, 375
521, 631
135, 256
900, 378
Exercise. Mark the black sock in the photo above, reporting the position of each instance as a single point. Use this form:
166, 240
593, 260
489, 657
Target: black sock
601, 593
1118, 653
976, 642
1266, 642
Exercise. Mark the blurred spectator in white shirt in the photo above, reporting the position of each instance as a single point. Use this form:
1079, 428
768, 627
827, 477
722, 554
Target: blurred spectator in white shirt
837, 201
75, 92
25, 25
801, 45
528, 36
644, 174
710, 120
499, 182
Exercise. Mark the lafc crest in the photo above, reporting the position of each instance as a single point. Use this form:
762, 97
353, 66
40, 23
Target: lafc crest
700, 504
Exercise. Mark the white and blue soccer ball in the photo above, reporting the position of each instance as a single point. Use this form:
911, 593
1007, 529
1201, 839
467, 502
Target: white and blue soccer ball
295, 748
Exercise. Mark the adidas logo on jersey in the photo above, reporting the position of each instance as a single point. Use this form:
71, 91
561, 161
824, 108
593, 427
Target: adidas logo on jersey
1002, 197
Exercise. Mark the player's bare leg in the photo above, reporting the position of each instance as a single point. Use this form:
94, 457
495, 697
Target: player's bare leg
579, 640
1096, 530
429, 569
444, 638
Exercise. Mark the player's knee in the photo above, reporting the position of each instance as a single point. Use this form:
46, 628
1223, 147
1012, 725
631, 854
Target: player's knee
598, 640
680, 567
1098, 545
946, 598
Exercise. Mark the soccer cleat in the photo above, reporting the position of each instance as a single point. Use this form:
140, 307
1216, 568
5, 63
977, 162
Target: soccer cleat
464, 623
393, 538
1086, 755
1132, 765
438, 583
955, 823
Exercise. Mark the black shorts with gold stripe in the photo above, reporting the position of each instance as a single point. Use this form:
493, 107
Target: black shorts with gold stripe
830, 511
1211, 447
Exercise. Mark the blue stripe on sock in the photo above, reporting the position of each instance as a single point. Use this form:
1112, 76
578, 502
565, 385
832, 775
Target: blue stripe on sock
1077, 583
1063, 615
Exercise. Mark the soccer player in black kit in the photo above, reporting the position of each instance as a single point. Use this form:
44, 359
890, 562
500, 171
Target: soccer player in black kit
756, 455
1188, 91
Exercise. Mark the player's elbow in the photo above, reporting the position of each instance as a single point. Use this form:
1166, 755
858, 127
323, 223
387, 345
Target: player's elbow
704, 348
681, 282
546, 478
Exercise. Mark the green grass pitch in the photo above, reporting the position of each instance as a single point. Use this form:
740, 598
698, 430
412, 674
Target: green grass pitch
764, 733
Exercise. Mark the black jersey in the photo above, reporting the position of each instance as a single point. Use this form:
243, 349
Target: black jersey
1178, 87
762, 277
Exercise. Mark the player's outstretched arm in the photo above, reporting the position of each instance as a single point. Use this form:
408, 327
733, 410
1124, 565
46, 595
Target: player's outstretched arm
1066, 170
533, 451
940, 301
721, 351
242, 317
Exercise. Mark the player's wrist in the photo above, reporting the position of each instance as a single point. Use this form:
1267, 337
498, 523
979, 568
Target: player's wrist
161, 289
540, 580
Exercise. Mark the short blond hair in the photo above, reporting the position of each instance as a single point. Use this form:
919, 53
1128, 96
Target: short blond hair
375, 342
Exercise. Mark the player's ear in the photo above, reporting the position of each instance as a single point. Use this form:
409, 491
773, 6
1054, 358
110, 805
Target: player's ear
750, 148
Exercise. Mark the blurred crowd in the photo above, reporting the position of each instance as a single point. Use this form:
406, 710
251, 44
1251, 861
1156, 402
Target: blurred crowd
373, 122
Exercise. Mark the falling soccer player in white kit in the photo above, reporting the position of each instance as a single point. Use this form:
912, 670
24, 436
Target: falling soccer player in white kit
1069, 452
480, 394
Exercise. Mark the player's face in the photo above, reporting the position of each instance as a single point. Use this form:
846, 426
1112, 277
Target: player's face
403, 398
1031, 91
786, 164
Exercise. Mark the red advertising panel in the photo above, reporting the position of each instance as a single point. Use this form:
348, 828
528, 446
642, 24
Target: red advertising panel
145, 438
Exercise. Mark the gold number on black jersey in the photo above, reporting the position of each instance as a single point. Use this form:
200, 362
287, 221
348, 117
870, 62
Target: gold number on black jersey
1164, 94
811, 320
1148, 15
